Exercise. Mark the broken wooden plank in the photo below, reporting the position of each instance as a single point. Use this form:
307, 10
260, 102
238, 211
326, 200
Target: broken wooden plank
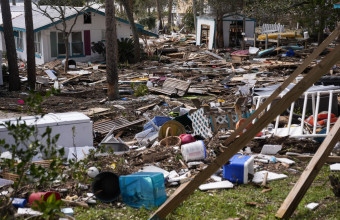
305, 181
314, 75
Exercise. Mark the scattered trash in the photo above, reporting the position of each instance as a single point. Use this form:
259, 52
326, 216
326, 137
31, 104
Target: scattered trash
218, 185
312, 206
258, 176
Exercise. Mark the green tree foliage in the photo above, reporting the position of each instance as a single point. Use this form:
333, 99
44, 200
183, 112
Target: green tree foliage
150, 22
188, 20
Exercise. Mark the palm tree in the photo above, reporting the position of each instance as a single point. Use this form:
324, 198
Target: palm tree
111, 50
128, 5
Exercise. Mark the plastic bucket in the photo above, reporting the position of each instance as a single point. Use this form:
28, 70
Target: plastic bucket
38, 195
106, 187
194, 151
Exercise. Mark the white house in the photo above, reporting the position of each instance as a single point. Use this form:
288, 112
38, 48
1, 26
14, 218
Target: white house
48, 41
232, 29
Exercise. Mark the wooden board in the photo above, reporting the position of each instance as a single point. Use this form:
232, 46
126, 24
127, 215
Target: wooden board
314, 75
299, 190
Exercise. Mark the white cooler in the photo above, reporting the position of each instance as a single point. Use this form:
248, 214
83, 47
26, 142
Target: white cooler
60, 123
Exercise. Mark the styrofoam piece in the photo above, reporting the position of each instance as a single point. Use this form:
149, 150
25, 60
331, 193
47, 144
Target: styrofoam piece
335, 167
27, 211
218, 185
194, 163
285, 160
216, 178
293, 131
153, 169
312, 205
173, 174
177, 179
4, 182
258, 176
50, 74
271, 149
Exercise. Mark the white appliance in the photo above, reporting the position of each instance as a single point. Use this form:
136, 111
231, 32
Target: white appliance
75, 128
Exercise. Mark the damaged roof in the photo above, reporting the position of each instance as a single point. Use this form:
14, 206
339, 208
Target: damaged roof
42, 22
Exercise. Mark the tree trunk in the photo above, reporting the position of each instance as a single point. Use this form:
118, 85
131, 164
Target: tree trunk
67, 53
128, 5
201, 7
14, 80
194, 11
30, 44
219, 29
111, 50
170, 15
159, 12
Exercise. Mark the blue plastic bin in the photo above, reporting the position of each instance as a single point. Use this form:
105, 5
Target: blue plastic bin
237, 169
158, 120
143, 189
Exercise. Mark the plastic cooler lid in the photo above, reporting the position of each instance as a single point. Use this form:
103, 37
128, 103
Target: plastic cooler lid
69, 118
30, 120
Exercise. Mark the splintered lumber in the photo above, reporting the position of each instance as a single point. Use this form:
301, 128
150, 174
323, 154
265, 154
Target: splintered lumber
313, 168
314, 75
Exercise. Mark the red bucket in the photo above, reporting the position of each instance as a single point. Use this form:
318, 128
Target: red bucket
44, 195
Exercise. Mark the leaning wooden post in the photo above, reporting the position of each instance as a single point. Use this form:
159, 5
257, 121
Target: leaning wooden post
266, 43
255, 40
305, 181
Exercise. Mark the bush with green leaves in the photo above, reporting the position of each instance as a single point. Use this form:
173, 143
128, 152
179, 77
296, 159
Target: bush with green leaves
150, 22
139, 89
188, 20
28, 143
126, 50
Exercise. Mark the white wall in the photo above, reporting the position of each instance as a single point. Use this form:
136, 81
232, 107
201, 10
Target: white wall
211, 23
96, 31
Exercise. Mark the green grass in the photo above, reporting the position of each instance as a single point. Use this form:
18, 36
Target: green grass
231, 203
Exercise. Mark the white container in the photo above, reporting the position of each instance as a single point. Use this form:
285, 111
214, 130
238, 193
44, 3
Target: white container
75, 128
305, 35
194, 151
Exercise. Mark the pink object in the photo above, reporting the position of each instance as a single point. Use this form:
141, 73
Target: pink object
38, 195
240, 52
187, 138
21, 101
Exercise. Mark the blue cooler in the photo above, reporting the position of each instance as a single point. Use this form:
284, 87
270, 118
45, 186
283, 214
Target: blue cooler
143, 189
237, 169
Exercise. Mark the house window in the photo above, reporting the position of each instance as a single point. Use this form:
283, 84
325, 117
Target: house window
19, 42
61, 45
87, 18
37, 43
77, 43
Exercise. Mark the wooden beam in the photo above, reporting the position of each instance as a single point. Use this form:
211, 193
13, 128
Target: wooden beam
183, 192
299, 190
285, 84
330, 159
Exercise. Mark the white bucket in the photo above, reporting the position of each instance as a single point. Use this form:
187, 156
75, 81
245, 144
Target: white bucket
194, 151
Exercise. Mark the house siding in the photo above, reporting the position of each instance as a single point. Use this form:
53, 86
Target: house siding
96, 29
